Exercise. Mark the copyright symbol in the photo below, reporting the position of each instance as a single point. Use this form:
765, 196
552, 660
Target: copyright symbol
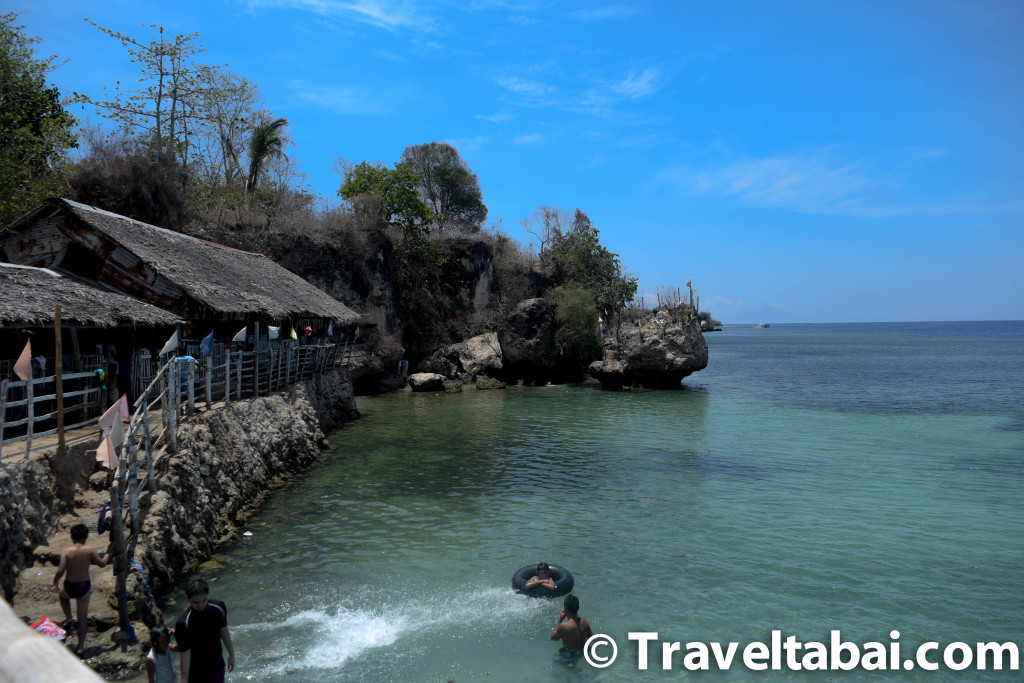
590, 651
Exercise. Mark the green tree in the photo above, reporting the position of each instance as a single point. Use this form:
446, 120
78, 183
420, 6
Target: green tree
447, 186
575, 255
35, 131
266, 142
576, 320
194, 115
394, 192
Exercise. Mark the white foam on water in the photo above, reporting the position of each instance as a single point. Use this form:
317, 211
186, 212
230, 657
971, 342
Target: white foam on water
325, 639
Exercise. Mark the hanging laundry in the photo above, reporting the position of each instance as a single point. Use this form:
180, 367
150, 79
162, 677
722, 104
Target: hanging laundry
206, 345
23, 368
105, 454
273, 332
239, 336
171, 346
115, 413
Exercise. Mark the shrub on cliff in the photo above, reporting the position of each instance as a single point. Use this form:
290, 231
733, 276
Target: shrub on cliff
576, 334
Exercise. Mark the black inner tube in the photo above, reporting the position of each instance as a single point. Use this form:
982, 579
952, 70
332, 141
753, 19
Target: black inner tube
560, 575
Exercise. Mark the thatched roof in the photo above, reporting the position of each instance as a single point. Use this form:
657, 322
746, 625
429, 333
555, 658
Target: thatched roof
222, 278
28, 295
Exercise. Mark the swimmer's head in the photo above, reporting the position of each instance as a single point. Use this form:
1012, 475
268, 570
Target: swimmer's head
572, 604
543, 568
79, 533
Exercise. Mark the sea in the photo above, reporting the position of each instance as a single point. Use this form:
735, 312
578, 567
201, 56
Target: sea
817, 489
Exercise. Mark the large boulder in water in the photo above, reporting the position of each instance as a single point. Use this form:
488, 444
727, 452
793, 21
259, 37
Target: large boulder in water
426, 381
528, 339
480, 355
652, 354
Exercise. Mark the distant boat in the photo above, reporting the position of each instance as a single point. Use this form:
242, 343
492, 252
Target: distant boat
761, 325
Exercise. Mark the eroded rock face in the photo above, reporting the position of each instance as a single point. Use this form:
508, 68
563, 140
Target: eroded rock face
652, 355
475, 356
228, 461
528, 340
480, 355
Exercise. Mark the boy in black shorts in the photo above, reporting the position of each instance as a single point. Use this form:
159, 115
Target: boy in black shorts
75, 562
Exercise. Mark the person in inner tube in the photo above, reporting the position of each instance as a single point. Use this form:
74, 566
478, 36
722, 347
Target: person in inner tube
542, 578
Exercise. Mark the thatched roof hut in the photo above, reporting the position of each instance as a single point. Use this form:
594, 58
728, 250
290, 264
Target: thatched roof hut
28, 297
193, 278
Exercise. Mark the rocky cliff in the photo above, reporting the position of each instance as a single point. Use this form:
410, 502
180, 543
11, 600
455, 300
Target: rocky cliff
652, 353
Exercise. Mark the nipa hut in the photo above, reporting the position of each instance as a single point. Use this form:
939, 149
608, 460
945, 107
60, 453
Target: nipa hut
211, 286
92, 320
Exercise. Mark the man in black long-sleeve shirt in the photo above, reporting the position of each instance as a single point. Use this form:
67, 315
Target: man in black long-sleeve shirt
199, 632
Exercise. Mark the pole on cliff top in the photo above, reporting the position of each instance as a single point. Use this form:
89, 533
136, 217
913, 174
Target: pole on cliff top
58, 366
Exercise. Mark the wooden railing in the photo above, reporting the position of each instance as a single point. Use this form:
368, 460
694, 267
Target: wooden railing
174, 390
182, 382
38, 404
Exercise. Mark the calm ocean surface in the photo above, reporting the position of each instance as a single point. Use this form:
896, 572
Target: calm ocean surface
860, 477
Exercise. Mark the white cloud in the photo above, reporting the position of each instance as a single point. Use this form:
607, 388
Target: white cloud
498, 118
820, 183
389, 15
468, 144
524, 87
635, 86
812, 184
605, 13
528, 138
345, 100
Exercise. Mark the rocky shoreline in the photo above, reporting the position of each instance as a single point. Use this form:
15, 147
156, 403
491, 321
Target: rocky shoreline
230, 458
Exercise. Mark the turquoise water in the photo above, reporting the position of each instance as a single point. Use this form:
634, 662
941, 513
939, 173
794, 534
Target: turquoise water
856, 477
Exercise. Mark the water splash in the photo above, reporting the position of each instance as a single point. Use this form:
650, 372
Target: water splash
328, 639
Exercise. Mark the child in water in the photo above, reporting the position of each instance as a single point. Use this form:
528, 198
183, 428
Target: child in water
159, 664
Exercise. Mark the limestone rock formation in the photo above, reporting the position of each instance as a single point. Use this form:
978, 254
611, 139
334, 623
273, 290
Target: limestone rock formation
475, 356
484, 382
528, 340
480, 355
426, 381
652, 354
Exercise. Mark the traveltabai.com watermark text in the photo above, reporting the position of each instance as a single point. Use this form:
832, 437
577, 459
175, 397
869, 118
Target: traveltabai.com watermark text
790, 654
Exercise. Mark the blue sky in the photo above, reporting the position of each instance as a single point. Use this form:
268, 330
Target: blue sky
801, 161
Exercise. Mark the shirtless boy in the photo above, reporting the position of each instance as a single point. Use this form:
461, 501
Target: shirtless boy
542, 578
572, 629
75, 562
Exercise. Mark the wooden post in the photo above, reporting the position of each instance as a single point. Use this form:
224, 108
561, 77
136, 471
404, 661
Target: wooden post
288, 368
256, 363
31, 406
3, 407
120, 558
191, 387
238, 376
148, 443
172, 397
209, 383
58, 367
133, 482
227, 378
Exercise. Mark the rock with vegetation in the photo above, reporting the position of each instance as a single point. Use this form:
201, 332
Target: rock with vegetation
651, 354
